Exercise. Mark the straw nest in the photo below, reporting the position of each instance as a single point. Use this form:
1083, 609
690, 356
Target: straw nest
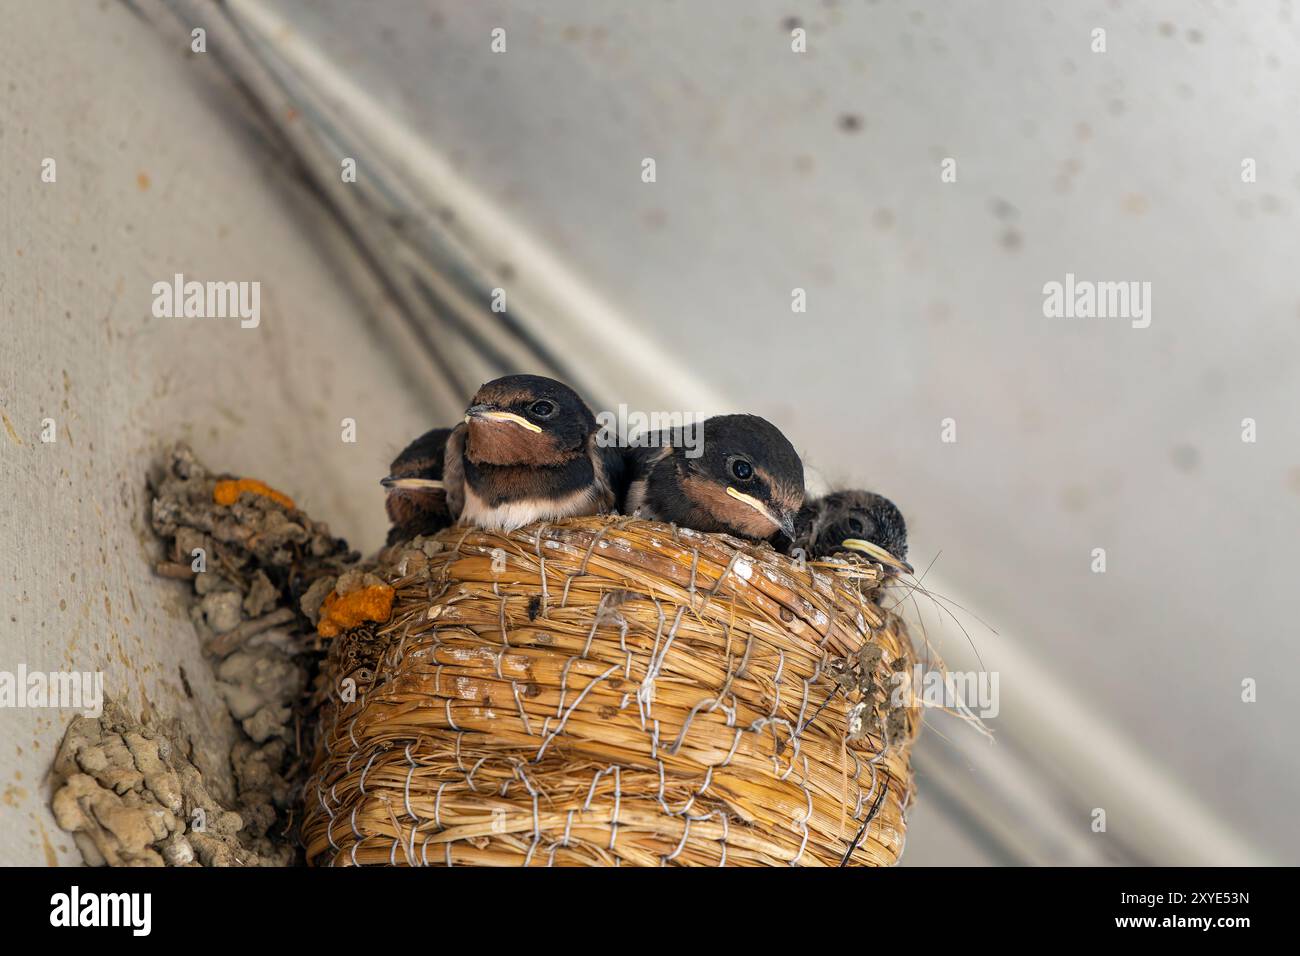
610, 691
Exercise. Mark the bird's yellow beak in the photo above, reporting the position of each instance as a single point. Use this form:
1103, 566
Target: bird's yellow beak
876, 552
495, 416
412, 484
783, 522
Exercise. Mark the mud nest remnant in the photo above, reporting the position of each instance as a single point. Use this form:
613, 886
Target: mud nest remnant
260, 569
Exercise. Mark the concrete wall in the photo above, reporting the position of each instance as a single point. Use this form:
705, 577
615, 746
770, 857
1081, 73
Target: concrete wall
156, 174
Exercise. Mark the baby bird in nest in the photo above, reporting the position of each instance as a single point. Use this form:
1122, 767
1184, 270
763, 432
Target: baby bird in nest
416, 498
746, 480
847, 522
527, 451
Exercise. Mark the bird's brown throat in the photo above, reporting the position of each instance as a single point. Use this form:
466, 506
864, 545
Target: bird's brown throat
505, 443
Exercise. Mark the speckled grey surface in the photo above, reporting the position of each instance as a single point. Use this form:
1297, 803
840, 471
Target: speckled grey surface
775, 171
155, 176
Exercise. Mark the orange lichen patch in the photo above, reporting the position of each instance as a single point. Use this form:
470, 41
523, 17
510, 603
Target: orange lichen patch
338, 613
227, 492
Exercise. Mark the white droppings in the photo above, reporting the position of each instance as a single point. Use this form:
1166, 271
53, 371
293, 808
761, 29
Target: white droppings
744, 569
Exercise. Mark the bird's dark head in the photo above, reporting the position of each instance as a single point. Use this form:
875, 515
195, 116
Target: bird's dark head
527, 420
414, 483
747, 479
854, 521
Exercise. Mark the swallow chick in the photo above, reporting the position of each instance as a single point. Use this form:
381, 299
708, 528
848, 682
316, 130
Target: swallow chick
747, 480
853, 522
416, 499
527, 451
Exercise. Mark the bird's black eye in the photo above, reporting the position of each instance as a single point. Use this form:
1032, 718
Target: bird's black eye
741, 469
542, 408
855, 526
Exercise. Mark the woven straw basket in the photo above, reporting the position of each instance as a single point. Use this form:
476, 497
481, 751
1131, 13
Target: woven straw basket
610, 691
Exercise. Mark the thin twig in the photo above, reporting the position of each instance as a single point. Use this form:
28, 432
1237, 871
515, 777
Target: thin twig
820, 707
172, 569
875, 808
223, 644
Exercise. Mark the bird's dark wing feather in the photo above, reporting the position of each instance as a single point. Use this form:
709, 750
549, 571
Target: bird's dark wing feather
453, 471
638, 463
613, 461
639, 459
